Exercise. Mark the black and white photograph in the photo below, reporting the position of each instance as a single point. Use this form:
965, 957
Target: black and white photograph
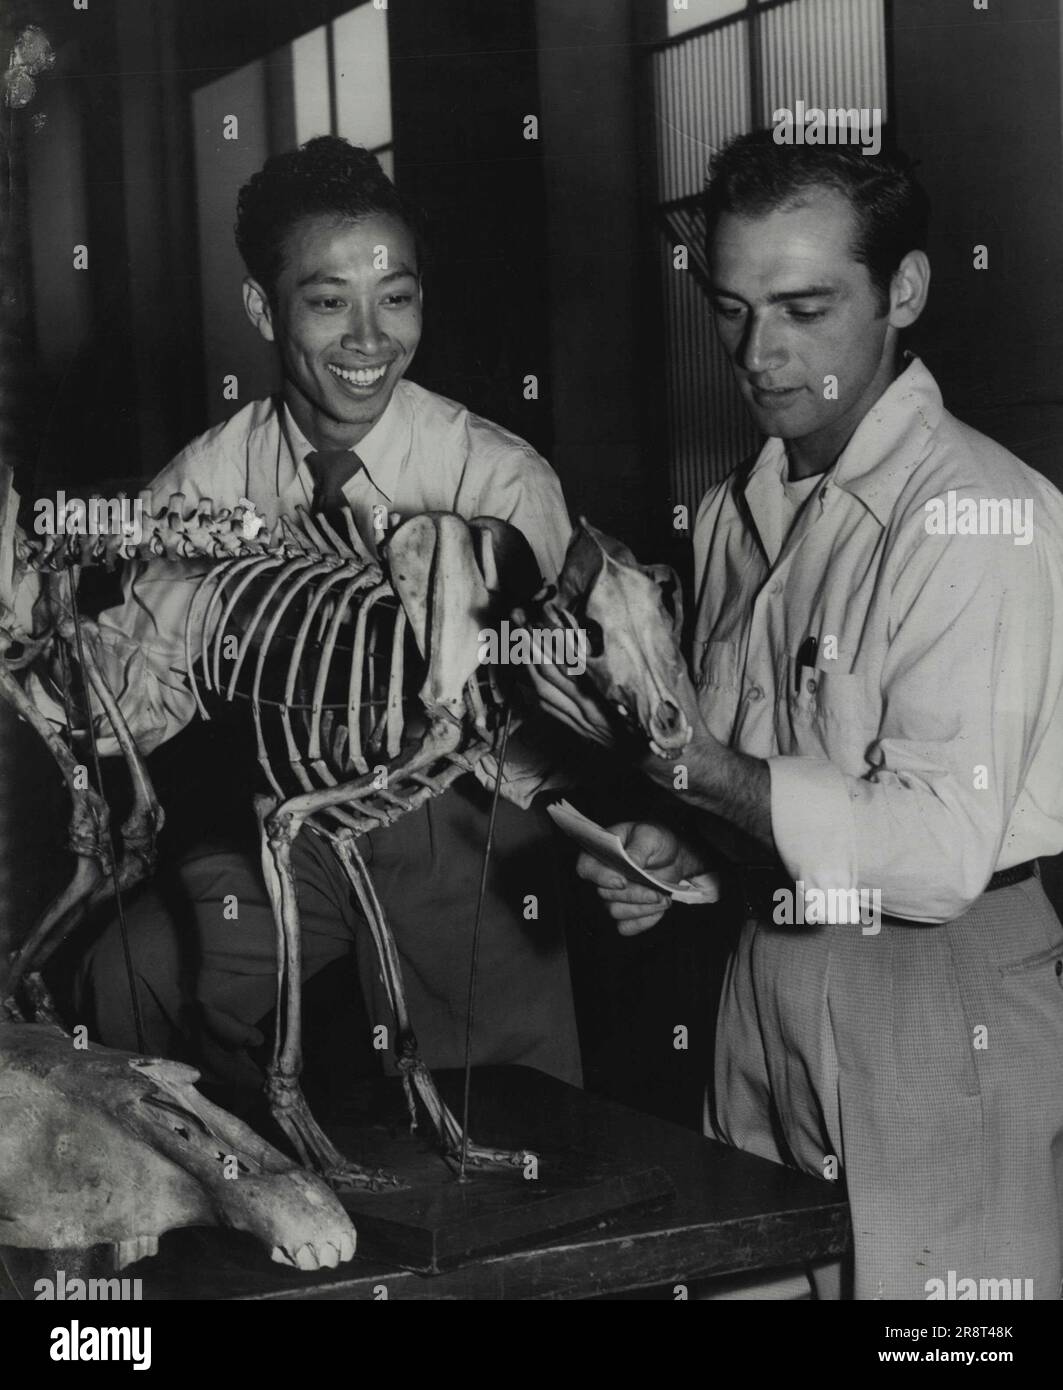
531, 663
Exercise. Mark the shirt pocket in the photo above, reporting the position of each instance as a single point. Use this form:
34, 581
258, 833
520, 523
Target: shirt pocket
832, 713
716, 681
716, 665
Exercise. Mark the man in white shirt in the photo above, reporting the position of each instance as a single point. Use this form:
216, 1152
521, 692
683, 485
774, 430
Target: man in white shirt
878, 662
334, 283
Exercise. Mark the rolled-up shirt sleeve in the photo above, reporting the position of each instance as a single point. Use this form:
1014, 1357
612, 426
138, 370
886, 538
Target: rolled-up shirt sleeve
538, 510
970, 691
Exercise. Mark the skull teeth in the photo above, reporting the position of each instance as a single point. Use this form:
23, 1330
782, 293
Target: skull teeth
127, 1252
327, 1255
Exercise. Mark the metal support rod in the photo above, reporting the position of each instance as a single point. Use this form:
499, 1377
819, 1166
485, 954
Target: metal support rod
134, 997
488, 845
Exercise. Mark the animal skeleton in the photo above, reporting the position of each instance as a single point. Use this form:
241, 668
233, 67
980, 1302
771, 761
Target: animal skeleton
444, 584
294, 601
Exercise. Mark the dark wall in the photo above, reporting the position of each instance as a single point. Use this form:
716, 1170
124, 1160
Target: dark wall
605, 364
116, 346
85, 377
977, 101
464, 77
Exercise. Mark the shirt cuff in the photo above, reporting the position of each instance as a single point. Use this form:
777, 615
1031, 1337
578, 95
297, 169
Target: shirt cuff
521, 781
812, 822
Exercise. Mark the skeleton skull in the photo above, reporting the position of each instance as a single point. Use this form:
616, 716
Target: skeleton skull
102, 1147
632, 615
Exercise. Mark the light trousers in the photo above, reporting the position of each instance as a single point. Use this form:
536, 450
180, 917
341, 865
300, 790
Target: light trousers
924, 1065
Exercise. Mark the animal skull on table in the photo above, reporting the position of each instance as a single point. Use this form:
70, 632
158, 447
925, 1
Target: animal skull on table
99, 1147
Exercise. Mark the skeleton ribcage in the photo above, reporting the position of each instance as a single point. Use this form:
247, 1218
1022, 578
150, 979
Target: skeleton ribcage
319, 651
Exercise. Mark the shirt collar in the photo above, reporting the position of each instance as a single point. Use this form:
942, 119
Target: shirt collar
887, 444
383, 450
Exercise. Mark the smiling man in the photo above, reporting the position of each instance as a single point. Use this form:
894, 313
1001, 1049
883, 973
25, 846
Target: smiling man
334, 262
342, 305
880, 708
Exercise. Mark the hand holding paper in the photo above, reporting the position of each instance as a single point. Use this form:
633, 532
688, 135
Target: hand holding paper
607, 847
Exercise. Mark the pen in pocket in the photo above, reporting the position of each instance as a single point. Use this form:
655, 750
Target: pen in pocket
806, 656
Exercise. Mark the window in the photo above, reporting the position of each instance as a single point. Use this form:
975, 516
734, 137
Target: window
689, 14
340, 80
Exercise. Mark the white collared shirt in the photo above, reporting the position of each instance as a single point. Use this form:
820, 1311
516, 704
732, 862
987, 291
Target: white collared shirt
923, 747
425, 453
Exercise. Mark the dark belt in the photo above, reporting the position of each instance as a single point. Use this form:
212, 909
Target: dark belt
759, 883
1018, 873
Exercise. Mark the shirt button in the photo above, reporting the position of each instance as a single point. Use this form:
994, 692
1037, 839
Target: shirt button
755, 693
776, 589
811, 687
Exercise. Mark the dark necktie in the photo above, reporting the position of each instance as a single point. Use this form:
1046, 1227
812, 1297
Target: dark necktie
331, 469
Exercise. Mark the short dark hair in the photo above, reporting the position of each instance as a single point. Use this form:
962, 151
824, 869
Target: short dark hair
326, 176
754, 174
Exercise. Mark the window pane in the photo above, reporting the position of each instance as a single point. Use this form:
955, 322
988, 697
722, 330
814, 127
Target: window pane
310, 80
363, 86
824, 53
688, 14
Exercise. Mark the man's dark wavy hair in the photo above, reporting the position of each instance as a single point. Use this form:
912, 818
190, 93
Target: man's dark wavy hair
753, 175
326, 176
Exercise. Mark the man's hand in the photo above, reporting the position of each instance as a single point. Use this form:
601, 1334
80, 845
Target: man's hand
561, 696
731, 786
635, 907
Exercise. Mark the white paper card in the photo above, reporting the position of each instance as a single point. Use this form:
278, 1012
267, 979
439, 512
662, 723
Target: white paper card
604, 845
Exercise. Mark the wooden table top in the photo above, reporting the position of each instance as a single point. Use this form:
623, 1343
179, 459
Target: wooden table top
731, 1212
